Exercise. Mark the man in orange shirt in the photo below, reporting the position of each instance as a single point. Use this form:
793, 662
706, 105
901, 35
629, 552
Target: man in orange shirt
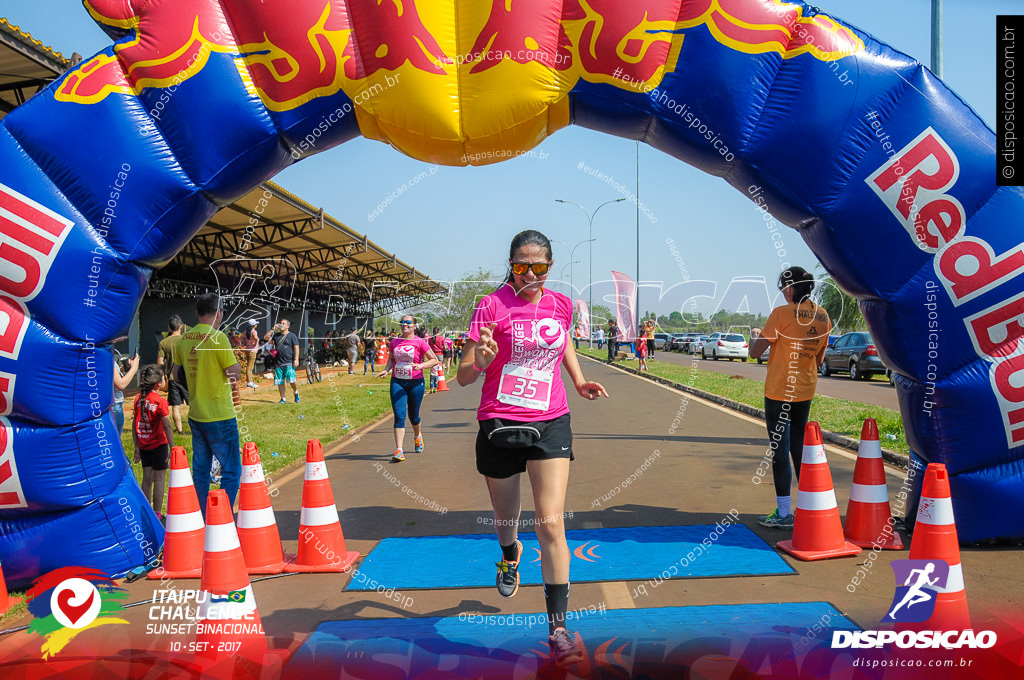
798, 335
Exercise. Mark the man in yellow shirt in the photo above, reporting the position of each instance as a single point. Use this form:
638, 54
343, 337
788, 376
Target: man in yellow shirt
206, 357
798, 335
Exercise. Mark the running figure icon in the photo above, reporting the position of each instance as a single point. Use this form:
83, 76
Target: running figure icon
916, 594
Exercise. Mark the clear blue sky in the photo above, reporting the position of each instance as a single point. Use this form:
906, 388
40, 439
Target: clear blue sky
462, 218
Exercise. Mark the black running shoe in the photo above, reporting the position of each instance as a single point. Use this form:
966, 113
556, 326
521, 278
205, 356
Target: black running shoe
563, 647
508, 574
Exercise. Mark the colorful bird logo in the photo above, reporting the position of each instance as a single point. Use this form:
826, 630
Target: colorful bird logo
69, 601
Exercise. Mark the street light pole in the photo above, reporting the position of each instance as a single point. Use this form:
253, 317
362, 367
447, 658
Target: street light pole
572, 254
590, 239
572, 288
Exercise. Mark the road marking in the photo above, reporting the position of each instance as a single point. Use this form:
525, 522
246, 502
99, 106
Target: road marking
616, 593
831, 448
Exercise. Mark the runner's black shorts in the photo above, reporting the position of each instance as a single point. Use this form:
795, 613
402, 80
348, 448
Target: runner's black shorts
155, 458
555, 442
176, 393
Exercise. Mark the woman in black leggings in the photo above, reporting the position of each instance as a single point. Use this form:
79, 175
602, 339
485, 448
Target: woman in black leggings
798, 335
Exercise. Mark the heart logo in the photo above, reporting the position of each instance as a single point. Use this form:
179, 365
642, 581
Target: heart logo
550, 334
73, 612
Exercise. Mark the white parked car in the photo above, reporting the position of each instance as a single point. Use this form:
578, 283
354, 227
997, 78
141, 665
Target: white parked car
726, 345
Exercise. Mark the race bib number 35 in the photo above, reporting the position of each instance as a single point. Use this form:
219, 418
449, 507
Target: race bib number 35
526, 387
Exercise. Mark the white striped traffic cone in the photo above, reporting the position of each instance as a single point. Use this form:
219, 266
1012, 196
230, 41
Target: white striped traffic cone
183, 539
229, 626
817, 528
321, 541
935, 539
257, 526
868, 514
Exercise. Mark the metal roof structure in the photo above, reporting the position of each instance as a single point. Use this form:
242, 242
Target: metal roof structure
306, 258
26, 66
302, 257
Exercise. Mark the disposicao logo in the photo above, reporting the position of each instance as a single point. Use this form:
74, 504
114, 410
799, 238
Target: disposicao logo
914, 601
69, 601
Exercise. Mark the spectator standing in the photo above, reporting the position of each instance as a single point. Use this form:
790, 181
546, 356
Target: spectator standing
641, 351
447, 353
204, 356
124, 371
648, 335
599, 336
798, 335
369, 352
352, 350
286, 359
613, 341
177, 392
457, 346
251, 345
153, 436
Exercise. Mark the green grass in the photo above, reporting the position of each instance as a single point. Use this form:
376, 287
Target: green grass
835, 415
326, 408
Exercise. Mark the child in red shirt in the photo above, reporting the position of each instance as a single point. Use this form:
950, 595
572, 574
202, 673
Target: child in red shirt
641, 350
153, 435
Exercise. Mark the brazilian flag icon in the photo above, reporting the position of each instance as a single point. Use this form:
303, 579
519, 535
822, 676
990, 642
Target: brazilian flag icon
237, 596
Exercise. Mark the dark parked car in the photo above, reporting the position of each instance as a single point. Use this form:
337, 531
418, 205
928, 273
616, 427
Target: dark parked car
853, 353
687, 344
675, 343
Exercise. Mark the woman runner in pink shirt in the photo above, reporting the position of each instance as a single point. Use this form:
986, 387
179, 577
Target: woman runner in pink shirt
518, 338
410, 355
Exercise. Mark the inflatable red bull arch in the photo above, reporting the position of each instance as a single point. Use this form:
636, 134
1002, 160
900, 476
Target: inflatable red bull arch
105, 175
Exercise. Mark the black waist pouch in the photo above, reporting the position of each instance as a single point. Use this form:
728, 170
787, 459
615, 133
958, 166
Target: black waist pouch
512, 435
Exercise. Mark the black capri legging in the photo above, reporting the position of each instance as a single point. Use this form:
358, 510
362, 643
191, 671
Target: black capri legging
406, 395
786, 421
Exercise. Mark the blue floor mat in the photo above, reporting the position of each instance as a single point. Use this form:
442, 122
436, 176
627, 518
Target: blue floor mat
653, 643
623, 554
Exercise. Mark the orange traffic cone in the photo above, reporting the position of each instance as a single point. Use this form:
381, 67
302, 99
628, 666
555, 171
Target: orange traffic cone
442, 384
257, 526
229, 626
935, 539
321, 542
183, 541
6, 601
817, 528
868, 514
382, 352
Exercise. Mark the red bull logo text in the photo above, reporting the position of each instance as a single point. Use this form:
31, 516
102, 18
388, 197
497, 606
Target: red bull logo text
915, 185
